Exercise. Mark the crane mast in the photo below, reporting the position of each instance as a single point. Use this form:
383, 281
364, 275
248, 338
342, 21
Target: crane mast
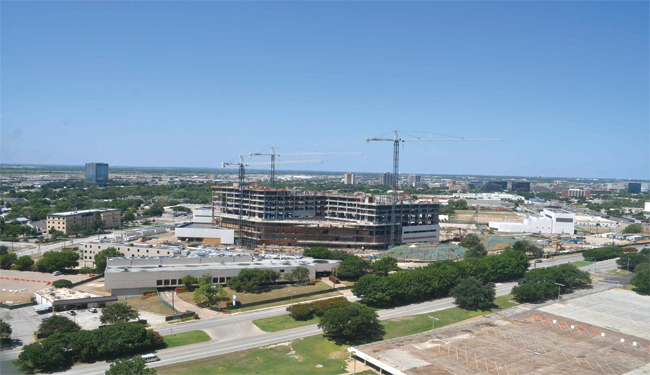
273, 154
242, 176
394, 235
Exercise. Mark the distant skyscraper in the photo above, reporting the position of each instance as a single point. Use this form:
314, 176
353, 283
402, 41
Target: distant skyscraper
414, 179
634, 187
349, 178
386, 178
494, 186
96, 172
521, 186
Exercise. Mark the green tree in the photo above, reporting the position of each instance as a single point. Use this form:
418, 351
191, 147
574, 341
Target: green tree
475, 247
6, 260
641, 281
189, 281
539, 283
62, 283
351, 323
384, 265
24, 263
527, 247
97, 226
57, 324
252, 280
134, 366
206, 279
353, 267
298, 274
4, 249
57, 261
5, 329
101, 258
460, 204
472, 294
118, 313
208, 295
633, 228
633, 259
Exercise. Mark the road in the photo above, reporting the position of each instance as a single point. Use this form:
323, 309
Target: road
237, 332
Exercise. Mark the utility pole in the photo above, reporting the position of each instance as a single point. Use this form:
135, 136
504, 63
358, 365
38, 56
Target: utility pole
513, 306
433, 325
532, 363
394, 236
559, 288
292, 293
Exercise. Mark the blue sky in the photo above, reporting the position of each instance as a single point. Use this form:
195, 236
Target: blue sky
193, 84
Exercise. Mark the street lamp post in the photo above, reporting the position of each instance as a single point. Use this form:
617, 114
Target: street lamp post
292, 293
559, 288
433, 324
532, 362
628, 265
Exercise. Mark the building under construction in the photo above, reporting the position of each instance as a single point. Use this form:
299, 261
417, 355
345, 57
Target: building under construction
295, 218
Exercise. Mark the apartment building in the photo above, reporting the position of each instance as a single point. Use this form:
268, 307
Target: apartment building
387, 179
64, 221
574, 193
287, 218
349, 179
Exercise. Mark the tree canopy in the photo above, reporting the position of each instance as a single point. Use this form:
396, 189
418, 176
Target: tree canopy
353, 267
472, 294
641, 281
57, 261
118, 313
603, 253
475, 247
634, 259
135, 366
5, 329
633, 228
101, 258
207, 294
526, 247
298, 275
384, 265
6, 260
252, 280
351, 323
24, 263
57, 324
62, 283
539, 283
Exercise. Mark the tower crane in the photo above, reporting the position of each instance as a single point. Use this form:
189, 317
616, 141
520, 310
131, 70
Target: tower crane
242, 174
396, 141
273, 154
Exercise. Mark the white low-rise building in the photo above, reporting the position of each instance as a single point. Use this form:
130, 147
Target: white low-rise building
550, 221
203, 230
130, 276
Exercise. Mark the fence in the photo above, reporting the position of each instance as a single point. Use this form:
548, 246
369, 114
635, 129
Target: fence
281, 299
167, 304
187, 314
12, 307
87, 280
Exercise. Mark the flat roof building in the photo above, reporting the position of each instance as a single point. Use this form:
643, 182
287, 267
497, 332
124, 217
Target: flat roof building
70, 221
130, 276
349, 179
96, 172
550, 221
130, 250
494, 186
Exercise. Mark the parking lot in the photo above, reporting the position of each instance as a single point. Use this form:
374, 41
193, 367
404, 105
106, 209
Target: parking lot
19, 286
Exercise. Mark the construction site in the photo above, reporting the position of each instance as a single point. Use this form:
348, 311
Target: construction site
265, 216
600, 333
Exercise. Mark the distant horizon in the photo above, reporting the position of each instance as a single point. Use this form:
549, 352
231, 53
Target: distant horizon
233, 170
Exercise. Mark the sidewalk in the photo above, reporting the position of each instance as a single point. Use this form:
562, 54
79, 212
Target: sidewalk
182, 306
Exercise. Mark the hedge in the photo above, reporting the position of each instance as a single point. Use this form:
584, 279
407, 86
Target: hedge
603, 253
304, 311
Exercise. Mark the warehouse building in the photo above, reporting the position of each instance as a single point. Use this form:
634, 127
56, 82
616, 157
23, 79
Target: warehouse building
550, 221
288, 218
131, 276
80, 220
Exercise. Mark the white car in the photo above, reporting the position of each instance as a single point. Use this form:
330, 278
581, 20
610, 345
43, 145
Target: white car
57, 273
92, 310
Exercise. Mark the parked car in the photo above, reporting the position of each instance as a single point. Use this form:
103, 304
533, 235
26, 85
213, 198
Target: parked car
538, 261
57, 273
150, 358
72, 312
92, 310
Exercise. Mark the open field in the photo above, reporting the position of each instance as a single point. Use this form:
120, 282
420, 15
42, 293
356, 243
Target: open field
311, 355
282, 322
581, 263
185, 338
485, 217
150, 304
245, 298
507, 345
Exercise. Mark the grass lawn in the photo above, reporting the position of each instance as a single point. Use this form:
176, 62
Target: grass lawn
618, 272
185, 338
273, 294
580, 263
408, 325
396, 327
150, 304
299, 357
282, 322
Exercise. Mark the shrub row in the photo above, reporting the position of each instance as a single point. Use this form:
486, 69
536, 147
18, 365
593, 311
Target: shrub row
304, 311
437, 279
324, 253
603, 253
144, 293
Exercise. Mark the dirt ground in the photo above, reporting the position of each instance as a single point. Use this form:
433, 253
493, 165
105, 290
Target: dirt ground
21, 290
507, 345
485, 217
